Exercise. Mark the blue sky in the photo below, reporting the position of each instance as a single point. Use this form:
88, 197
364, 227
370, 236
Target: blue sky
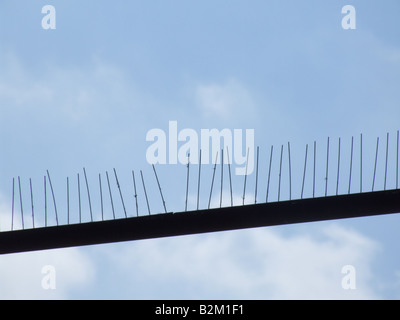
86, 94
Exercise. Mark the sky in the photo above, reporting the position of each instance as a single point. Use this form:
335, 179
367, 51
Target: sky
87, 93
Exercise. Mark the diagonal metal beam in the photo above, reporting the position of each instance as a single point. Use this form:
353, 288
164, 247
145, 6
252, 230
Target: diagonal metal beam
202, 221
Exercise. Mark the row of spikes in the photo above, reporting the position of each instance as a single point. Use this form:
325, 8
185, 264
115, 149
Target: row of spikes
47, 180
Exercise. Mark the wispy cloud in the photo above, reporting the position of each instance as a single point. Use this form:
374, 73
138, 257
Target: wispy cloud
22, 275
78, 94
225, 101
252, 264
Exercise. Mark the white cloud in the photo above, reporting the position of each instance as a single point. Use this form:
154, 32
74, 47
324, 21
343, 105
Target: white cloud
17, 86
62, 92
262, 263
251, 264
227, 101
21, 275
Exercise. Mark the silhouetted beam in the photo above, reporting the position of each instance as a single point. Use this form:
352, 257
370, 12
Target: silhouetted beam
202, 221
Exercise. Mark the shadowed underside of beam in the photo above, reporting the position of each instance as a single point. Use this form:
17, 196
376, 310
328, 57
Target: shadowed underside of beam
202, 221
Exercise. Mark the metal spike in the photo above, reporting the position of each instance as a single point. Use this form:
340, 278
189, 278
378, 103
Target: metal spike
376, 160
101, 198
88, 193
136, 199
12, 206
222, 177
351, 163
387, 154
255, 192
187, 182
230, 175
315, 151
269, 173
32, 206
304, 172
159, 187
54, 198
245, 176
145, 193
212, 182
327, 169
280, 175
198, 182
338, 171
45, 201
120, 192
20, 200
111, 198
